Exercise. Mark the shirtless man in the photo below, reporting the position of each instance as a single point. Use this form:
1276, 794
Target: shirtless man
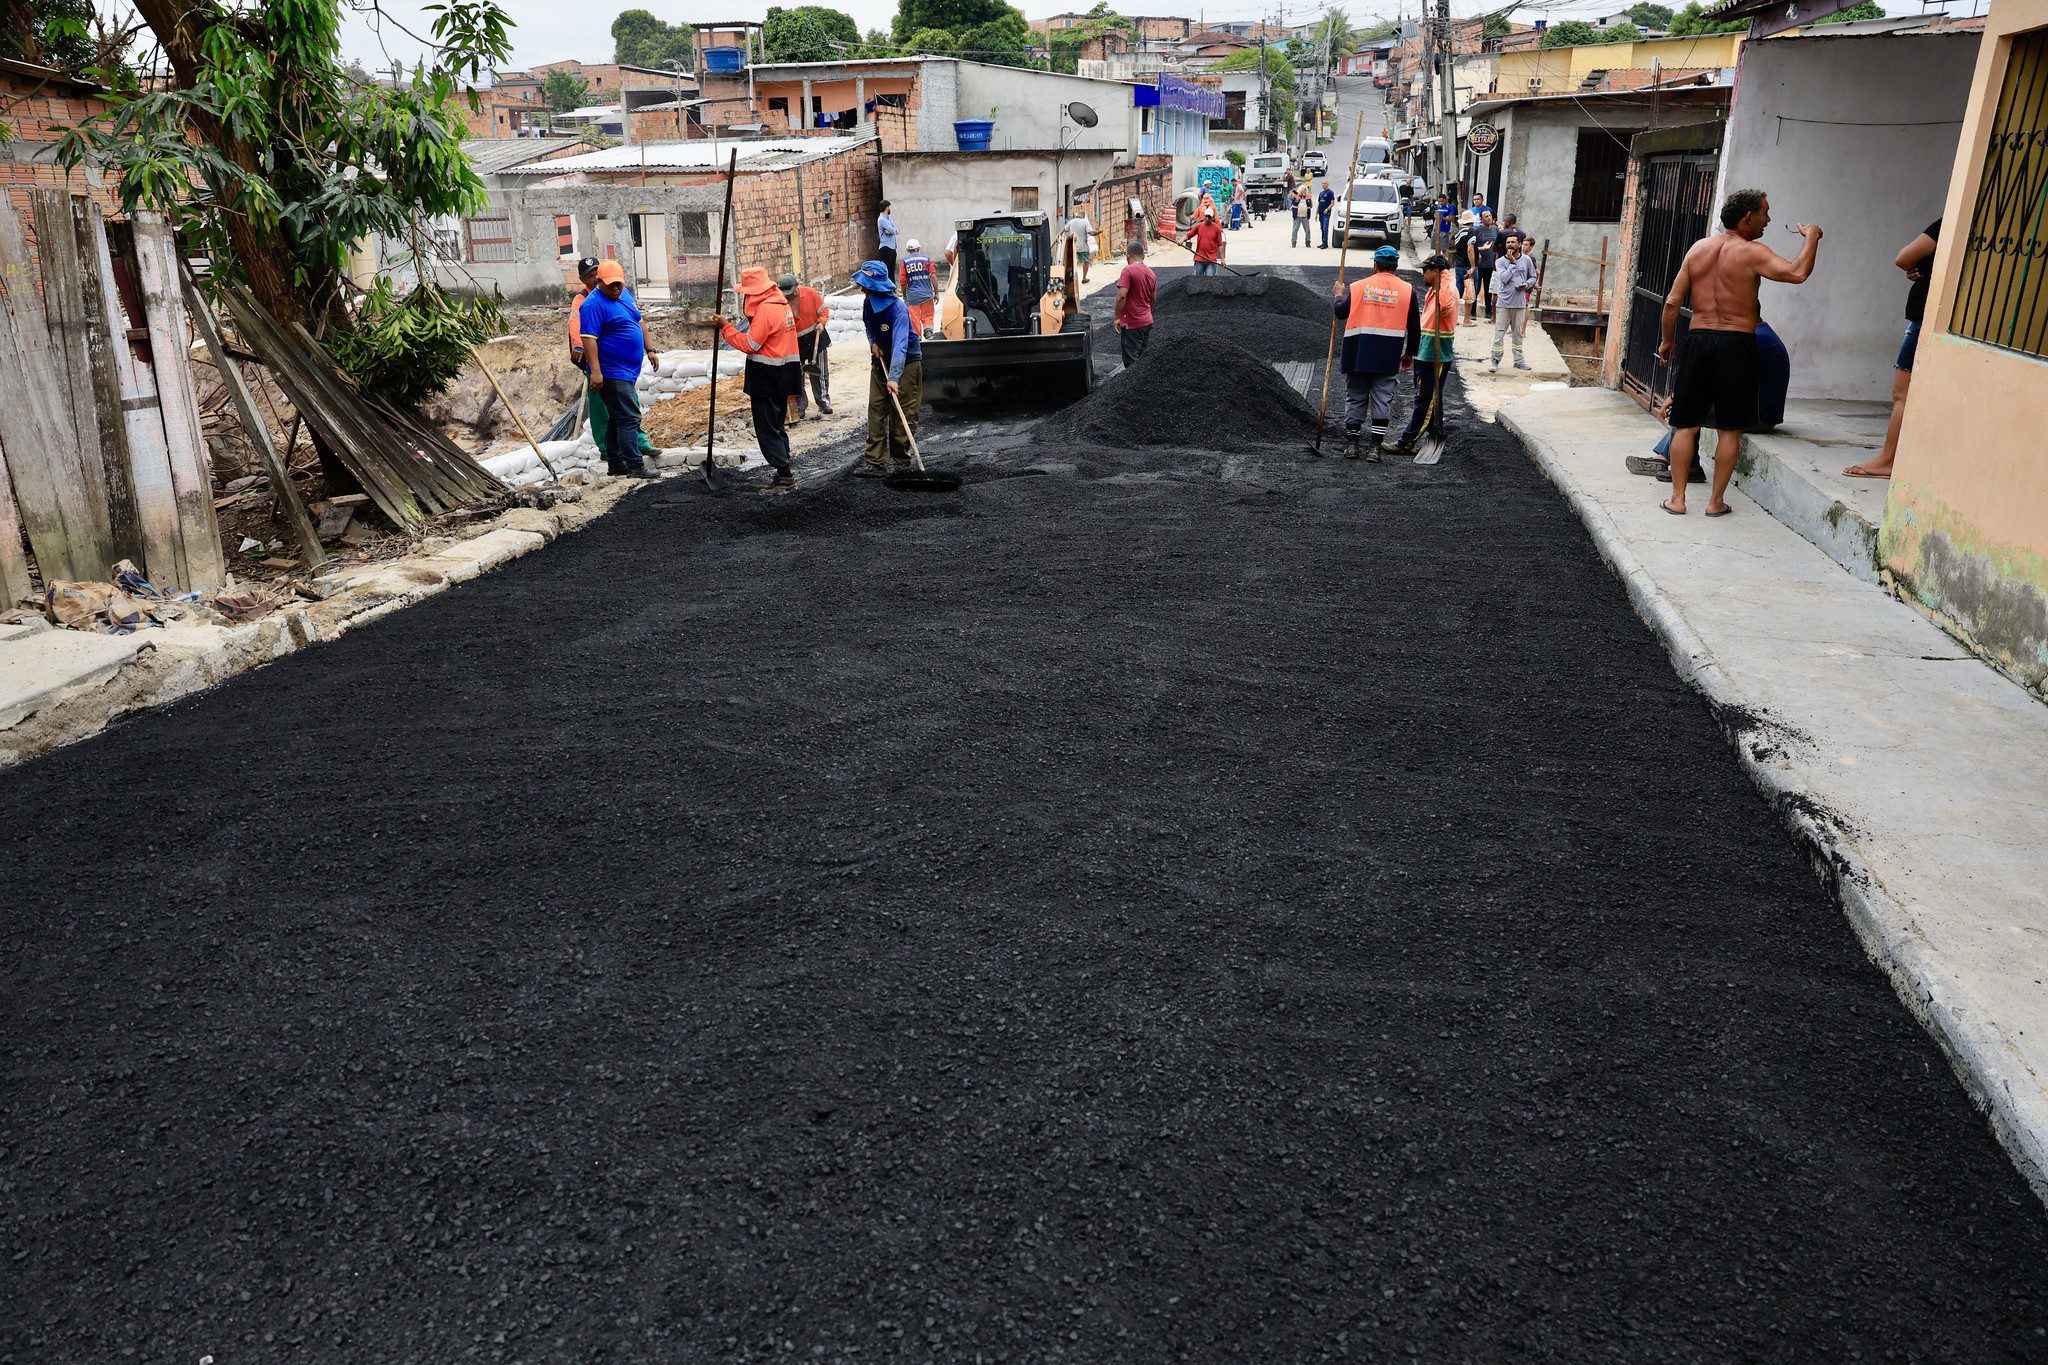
1718, 373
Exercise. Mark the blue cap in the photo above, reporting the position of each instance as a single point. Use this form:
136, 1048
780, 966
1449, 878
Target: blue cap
1386, 255
873, 276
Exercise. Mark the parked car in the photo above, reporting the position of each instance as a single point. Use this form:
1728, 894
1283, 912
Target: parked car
1315, 163
1374, 212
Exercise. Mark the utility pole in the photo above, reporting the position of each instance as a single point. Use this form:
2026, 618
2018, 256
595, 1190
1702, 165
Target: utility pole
1420, 116
1453, 166
1265, 89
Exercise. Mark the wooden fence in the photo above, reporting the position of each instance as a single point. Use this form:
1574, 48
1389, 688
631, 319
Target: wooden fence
101, 453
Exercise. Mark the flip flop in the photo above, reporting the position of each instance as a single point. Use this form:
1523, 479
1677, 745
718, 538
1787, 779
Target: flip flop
1857, 471
1722, 513
1674, 511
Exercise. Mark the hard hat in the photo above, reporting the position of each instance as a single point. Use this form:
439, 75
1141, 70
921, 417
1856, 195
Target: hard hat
911, 245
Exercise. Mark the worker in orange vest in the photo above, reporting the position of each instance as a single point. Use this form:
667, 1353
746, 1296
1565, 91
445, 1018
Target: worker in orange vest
812, 341
1381, 328
773, 374
1439, 330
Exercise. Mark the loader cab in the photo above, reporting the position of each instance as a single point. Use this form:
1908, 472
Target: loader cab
1003, 267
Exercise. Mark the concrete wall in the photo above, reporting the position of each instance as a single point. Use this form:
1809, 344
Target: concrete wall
1859, 135
930, 191
1541, 144
1965, 529
1028, 104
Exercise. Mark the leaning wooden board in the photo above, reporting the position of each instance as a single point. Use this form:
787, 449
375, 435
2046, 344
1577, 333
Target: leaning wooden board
149, 459
156, 259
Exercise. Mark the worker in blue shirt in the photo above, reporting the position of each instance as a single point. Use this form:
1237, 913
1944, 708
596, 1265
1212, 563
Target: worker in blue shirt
885, 237
615, 349
1325, 201
897, 370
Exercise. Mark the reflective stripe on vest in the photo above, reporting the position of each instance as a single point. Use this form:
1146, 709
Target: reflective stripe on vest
1379, 306
773, 323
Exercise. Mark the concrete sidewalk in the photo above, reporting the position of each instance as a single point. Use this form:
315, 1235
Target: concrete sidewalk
1911, 770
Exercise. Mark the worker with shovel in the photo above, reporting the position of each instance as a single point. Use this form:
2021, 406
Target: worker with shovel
813, 342
896, 374
773, 374
1433, 353
1381, 329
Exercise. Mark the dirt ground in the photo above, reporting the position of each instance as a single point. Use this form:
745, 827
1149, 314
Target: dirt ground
1167, 904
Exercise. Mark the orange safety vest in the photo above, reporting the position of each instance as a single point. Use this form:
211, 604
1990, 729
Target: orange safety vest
1376, 328
1439, 312
770, 338
811, 310
576, 319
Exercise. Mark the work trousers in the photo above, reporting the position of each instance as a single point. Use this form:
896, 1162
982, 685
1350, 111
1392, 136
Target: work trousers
1368, 398
816, 354
1131, 343
622, 430
1302, 235
887, 256
1208, 268
771, 428
601, 422
1428, 374
1324, 219
887, 438
1512, 322
1482, 289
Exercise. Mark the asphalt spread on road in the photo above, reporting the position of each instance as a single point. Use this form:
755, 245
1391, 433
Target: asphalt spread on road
1154, 904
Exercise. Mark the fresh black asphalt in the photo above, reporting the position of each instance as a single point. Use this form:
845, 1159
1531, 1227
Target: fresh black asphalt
1150, 905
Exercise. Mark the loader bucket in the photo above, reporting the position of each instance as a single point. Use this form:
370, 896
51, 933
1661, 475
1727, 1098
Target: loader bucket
1049, 370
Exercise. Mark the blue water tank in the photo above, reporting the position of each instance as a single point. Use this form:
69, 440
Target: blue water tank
725, 61
973, 133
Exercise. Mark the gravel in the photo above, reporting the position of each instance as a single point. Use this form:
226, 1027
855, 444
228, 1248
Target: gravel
1192, 390
1150, 905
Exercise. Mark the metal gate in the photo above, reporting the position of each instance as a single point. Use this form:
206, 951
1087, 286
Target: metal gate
1674, 208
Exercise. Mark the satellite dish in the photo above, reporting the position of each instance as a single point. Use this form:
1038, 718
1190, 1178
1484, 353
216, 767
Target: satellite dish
1082, 115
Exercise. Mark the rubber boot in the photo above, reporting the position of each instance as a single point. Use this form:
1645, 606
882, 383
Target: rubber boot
1350, 445
1372, 450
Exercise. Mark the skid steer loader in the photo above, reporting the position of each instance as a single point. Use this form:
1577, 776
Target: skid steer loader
1006, 339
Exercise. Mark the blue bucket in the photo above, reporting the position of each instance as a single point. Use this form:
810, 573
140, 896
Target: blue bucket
973, 133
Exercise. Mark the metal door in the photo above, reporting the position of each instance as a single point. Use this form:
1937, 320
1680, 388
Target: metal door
1674, 208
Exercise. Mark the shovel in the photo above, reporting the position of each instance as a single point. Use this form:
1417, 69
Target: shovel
919, 479
715, 478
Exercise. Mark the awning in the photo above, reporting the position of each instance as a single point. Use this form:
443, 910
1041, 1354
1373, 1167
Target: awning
1775, 16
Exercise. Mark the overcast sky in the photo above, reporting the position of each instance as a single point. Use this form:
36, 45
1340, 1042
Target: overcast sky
549, 30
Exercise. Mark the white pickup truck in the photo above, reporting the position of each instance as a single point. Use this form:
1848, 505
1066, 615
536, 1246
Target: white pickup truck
1265, 181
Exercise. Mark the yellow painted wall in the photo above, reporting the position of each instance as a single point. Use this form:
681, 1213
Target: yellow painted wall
1966, 522
1562, 68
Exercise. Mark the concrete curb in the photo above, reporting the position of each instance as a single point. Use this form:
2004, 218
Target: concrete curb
2013, 1098
161, 666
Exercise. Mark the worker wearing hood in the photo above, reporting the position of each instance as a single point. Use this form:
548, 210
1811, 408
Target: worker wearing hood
896, 378
774, 373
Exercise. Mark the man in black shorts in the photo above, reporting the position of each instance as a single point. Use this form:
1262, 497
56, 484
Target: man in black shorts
1720, 368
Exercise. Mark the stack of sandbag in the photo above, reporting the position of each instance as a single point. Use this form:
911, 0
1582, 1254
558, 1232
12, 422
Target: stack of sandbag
518, 466
672, 372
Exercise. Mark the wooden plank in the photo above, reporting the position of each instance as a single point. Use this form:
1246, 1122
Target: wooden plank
64, 290
252, 423
156, 254
15, 583
104, 336
42, 459
149, 458
158, 550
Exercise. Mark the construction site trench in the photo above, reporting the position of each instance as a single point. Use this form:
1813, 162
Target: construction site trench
1173, 899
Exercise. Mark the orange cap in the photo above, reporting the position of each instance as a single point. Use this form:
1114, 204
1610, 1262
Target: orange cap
610, 272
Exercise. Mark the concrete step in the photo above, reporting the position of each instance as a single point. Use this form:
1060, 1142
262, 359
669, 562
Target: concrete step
1795, 473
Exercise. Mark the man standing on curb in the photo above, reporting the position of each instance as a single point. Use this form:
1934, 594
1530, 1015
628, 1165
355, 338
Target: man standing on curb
1514, 294
896, 371
1381, 328
1438, 331
1721, 367
772, 376
616, 349
812, 342
1135, 289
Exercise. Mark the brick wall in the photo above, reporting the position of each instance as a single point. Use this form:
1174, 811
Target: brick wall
36, 110
1108, 205
835, 239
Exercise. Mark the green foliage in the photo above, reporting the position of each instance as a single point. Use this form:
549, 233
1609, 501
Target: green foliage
1336, 26
1235, 158
640, 39
955, 16
405, 349
1623, 32
1278, 70
1495, 26
274, 161
1691, 22
1004, 40
1649, 15
50, 33
564, 92
809, 33
1065, 45
930, 40
1570, 33
1866, 10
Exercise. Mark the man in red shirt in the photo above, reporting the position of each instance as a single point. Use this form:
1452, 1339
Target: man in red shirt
1135, 288
1207, 236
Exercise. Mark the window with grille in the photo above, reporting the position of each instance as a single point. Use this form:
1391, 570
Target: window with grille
1599, 173
2002, 284
489, 238
696, 233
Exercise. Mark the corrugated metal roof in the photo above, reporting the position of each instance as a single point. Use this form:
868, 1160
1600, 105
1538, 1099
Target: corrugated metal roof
493, 154
699, 154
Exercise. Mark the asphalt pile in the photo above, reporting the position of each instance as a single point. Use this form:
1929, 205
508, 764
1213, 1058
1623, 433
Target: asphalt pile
1195, 390
1280, 318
